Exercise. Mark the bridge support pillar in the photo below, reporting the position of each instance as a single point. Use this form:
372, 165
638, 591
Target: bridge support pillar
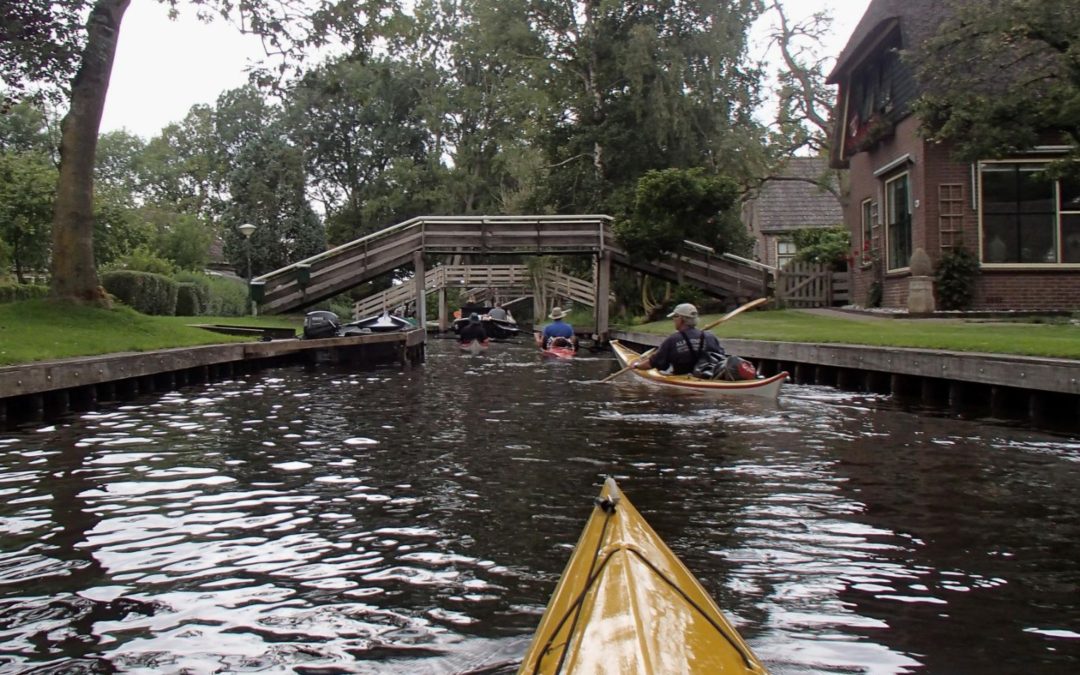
444, 321
603, 294
421, 298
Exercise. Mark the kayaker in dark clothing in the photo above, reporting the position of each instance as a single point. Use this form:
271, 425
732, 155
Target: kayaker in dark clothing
497, 312
472, 330
680, 351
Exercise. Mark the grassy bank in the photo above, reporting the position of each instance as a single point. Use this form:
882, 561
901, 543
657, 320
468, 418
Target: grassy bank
36, 330
1030, 339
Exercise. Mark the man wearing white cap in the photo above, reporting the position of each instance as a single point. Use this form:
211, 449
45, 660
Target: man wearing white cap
680, 351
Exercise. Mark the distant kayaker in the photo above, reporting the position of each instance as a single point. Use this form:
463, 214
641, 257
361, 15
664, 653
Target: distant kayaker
497, 312
472, 330
680, 351
556, 329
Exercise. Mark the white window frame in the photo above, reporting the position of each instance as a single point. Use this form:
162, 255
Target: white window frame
887, 226
781, 261
1059, 244
867, 216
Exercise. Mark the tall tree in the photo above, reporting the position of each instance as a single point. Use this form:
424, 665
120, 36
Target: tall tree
1003, 76
361, 127
265, 184
645, 86
674, 205
804, 101
50, 53
184, 166
27, 186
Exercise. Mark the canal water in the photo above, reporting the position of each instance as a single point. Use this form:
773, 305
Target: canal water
316, 520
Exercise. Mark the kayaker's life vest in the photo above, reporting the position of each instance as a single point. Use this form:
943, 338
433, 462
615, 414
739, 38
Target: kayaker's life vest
708, 363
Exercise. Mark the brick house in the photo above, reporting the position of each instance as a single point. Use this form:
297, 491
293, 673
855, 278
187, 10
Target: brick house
906, 193
791, 202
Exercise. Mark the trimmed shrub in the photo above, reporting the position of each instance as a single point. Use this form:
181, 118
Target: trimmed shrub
875, 294
200, 286
144, 292
13, 292
955, 276
188, 302
227, 297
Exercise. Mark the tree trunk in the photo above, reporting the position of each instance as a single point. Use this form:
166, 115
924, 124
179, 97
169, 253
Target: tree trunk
74, 274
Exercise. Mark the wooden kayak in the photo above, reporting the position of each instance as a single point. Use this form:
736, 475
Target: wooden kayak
626, 604
768, 387
474, 347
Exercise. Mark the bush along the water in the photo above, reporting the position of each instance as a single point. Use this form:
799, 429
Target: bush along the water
955, 279
144, 292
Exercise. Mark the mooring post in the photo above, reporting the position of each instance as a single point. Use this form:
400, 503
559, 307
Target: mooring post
444, 321
603, 292
421, 302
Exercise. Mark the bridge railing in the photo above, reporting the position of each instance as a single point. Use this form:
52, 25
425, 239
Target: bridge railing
335, 270
340, 268
473, 278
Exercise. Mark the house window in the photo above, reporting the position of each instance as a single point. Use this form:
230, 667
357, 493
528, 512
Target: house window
1069, 204
1027, 217
785, 251
898, 221
869, 221
951, 215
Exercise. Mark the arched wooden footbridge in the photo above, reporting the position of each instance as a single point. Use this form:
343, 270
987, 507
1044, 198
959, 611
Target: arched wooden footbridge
484, 283
339, 269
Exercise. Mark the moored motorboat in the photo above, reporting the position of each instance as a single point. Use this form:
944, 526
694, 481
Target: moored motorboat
768, 387
626, 604
381, 323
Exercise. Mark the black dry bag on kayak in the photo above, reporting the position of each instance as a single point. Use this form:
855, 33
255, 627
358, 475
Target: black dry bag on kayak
709, 364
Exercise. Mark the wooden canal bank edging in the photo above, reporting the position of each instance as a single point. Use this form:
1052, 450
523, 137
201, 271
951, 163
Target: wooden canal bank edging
46, 390
1043, 391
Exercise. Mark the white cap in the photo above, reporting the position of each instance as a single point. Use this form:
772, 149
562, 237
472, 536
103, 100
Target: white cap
685, 310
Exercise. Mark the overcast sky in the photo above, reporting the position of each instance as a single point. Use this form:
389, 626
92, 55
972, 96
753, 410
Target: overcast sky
164, 67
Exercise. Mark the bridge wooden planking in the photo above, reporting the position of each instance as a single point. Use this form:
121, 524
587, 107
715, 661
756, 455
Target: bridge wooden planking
510, 279
345, 266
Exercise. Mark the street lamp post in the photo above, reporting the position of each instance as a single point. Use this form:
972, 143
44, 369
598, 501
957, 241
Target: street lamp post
246, 229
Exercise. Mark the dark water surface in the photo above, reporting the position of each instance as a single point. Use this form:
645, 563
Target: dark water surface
322, 521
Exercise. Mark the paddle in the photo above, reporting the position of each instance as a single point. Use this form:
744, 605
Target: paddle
733, 313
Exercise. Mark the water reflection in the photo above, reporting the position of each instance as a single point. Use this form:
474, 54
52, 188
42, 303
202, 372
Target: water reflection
320, 520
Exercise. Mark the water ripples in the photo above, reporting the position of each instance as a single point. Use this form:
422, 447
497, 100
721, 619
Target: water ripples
309, 521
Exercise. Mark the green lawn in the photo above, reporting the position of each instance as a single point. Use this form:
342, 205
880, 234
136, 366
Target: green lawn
1034, 339
37, 330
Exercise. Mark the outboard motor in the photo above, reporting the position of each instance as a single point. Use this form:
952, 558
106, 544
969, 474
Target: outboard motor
321, 324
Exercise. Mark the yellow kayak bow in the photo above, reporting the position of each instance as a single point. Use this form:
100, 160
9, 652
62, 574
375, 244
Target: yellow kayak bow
627, 604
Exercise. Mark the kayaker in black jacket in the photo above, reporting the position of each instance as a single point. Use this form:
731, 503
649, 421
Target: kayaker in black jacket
680, 351
472, 330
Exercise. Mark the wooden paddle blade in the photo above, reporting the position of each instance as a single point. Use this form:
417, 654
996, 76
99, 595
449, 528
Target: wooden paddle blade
611, 377
737, 311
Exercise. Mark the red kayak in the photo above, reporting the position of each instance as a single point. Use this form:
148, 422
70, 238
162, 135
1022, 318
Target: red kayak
474, 346
559, 352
